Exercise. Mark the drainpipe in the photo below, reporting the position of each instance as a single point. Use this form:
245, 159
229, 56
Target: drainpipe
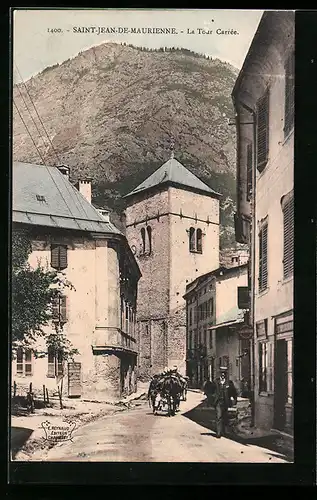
253, 242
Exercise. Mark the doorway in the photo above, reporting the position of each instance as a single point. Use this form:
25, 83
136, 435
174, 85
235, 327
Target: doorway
281, 384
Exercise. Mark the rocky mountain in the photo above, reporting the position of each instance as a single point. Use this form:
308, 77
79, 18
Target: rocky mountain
112, 111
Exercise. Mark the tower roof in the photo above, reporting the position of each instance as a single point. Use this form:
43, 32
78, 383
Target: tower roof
173, 172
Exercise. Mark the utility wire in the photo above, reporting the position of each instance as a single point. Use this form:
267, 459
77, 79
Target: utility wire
40, 135
58, 160
42, 159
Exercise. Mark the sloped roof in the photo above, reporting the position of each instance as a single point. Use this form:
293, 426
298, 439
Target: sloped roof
173, 172
43, 196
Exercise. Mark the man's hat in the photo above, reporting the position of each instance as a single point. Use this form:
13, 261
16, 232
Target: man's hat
223, 369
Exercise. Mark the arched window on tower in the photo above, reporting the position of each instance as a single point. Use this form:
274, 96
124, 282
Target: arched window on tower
149, 234
192, 245
143, 239
199, 243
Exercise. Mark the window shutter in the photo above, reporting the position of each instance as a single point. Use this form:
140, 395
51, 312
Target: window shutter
20, 361
289, 93
127, 318
28, 362
210, 339
63, 309
62, 257
143, 239
60, 362
55, 256
263, 131
55, 309
149, 233
199, 246
51, 363
191, 239
263, 263
59, 256
288, 252
249, 171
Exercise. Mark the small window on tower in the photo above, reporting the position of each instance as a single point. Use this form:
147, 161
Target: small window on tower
192, 246
199, 247
143, 239
149, 234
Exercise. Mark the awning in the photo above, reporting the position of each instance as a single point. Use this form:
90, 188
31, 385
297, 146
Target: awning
228, 323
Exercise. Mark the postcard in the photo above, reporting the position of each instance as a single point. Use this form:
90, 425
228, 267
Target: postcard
152, 236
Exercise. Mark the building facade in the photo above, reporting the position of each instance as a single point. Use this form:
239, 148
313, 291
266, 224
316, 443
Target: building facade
214, 319
232, 257
264, 102
172, 225
98, 314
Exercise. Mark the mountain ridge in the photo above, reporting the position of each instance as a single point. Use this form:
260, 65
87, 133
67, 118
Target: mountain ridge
112, 111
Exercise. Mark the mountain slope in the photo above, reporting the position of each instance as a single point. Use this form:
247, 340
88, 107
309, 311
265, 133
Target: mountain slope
112, 111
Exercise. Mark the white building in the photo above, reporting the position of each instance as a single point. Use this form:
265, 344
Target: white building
69, 235
264, 102
214, 319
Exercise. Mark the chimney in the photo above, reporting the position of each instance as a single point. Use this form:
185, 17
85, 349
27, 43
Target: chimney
84, 186
64, 170
104, 213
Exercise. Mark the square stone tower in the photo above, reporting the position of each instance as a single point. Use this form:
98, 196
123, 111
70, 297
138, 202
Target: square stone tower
172, 226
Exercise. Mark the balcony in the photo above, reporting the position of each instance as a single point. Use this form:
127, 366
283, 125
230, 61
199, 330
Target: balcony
113, 339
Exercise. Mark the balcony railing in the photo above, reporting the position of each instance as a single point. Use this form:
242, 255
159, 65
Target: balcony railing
113, 338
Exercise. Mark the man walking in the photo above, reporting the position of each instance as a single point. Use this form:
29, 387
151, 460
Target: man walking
224, 396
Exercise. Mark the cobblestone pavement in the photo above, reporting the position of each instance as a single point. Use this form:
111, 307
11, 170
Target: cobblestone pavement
136, 435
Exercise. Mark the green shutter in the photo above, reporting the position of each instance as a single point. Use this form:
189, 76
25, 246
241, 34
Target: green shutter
288, 250
263, 258
249, 171
55, 256
263, 131
63, 309
62, 257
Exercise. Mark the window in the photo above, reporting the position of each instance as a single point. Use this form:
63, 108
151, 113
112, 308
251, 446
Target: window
205, 337
195, 339
210, 307
263, 131
210, 339
143, 239
146, 237
190, 316
288, 235
190, 340
127, 312
59, 309
24, 362
249, 171
55, 363
192, 239
265, 367
289, 94
263, 264
195, 240
199, 247
122, 312
149, 234
59, 257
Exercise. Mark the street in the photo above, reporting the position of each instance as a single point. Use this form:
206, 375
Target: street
136, 435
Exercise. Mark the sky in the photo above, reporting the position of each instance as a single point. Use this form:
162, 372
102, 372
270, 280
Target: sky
42, 38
